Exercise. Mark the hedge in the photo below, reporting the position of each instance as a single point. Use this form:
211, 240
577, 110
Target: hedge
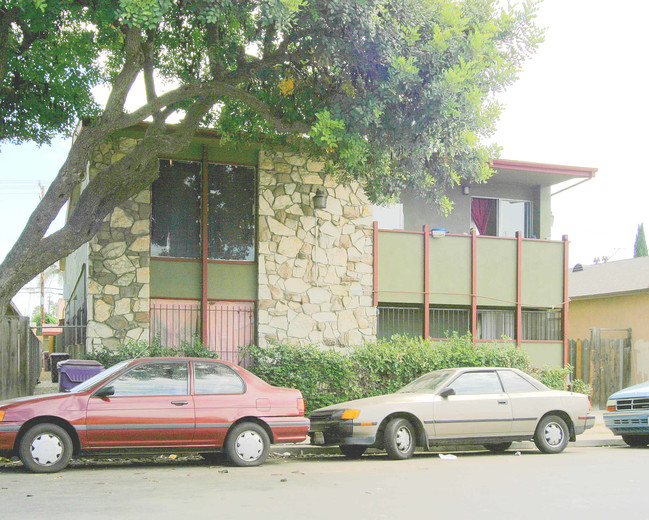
327, 376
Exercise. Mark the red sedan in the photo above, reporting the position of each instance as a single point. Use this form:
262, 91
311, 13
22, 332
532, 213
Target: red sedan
155, 405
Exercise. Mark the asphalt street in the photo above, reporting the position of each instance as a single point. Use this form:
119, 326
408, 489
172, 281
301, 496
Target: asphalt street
582, 482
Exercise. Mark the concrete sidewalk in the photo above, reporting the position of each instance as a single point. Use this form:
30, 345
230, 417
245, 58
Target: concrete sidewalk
598, 435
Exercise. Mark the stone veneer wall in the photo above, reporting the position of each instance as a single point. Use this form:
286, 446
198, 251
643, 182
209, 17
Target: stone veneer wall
313, 293
118, 265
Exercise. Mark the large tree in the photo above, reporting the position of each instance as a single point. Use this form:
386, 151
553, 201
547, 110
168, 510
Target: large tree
397, 94
640, 245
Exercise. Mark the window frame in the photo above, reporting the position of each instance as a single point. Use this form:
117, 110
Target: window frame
528, 224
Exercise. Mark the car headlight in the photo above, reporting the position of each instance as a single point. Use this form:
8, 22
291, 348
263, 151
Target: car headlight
611, 406
350, 414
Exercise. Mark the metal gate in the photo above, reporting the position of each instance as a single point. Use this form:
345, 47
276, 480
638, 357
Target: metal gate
604, 362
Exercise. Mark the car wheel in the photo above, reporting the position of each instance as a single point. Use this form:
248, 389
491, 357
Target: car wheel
551, 435
45, 448
498, 447
399, 439
636, 440
352, 451
247, 444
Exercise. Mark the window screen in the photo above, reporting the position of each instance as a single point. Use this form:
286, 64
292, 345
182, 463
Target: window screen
176, 209
231, 224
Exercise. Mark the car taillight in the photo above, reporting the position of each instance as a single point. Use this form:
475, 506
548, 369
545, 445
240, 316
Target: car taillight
300, 404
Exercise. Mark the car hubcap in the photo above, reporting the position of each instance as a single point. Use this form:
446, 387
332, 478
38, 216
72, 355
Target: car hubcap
553, 434
403, 439
249, 446
46, 449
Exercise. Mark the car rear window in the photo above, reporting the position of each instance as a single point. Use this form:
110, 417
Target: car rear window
216, 378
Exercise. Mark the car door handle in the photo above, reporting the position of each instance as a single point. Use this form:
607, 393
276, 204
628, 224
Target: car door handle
179, 403
502, 401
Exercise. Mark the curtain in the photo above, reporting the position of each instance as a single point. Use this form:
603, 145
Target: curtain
480, 212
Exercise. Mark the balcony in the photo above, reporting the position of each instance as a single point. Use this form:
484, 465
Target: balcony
489, 286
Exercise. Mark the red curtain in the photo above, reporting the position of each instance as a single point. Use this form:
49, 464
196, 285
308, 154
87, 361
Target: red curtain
480, 212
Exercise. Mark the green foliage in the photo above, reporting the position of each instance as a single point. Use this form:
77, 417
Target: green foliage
137, 349
557, 378
640, 247
323, 376
396, 93
327, 376
50, 319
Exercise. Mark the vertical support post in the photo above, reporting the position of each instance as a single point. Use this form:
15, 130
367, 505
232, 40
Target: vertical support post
474, 284
426, 282
519, 287
375, 254
564, 320
204, 217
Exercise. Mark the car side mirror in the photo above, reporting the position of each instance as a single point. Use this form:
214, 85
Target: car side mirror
104, 392
446, 392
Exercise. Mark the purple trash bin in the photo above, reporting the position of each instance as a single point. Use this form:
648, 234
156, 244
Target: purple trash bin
75, 371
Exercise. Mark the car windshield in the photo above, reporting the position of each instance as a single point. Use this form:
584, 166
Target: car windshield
428, 383
89, 383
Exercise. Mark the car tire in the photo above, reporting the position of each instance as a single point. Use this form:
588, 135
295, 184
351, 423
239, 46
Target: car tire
247, 444
552, 434
399, 439
352, 451
636, 441
498, 447
45, 448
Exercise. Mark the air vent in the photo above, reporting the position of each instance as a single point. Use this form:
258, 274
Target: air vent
577, 268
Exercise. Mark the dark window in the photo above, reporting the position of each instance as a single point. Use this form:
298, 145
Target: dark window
176, 210
515, 384
167, 378
476, 383
231, 223
215, 378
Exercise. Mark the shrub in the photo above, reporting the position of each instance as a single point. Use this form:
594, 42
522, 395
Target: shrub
137, 349
331, 376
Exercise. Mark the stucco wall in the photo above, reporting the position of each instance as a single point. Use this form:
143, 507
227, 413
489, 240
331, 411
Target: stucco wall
314, 266
617, 312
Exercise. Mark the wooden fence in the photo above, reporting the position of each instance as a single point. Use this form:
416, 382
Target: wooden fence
602, 362
20, 357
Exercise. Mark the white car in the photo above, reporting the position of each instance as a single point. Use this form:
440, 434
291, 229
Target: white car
486, 406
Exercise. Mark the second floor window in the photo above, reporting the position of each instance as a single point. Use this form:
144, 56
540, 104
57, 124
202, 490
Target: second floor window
177, 208
502, 217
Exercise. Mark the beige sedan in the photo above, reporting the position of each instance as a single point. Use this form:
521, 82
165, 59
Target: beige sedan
486, 406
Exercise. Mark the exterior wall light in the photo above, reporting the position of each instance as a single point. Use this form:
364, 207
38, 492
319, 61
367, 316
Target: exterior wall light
465, 190
320, 199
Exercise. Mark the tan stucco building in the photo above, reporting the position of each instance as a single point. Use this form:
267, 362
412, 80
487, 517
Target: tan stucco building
613, 295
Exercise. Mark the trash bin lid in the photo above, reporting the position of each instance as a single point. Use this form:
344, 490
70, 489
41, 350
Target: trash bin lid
81, 362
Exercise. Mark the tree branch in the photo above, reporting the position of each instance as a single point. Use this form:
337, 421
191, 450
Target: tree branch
133, 60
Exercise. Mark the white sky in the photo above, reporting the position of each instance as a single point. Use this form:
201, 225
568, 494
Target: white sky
580, 101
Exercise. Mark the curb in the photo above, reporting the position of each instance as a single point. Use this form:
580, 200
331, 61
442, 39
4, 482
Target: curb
300, 450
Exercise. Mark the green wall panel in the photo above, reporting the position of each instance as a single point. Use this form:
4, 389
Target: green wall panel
401, 267
175, 279
184, 279
496, 272
542, 269
545, 354
450, 270
232, 281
